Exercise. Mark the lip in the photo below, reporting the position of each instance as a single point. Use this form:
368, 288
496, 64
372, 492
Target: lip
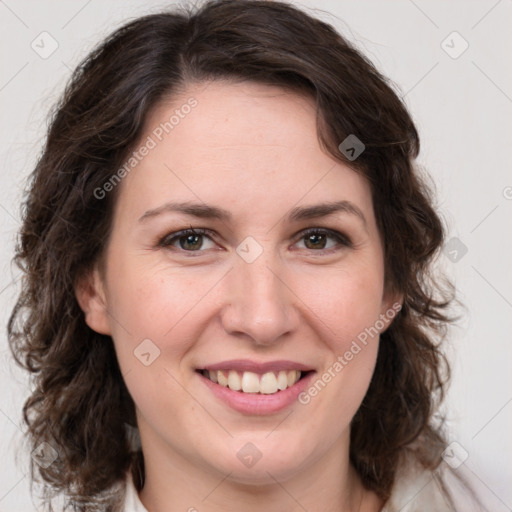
255, 403
246, 365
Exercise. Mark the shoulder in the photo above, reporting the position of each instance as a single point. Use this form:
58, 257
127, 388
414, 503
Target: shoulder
443, 489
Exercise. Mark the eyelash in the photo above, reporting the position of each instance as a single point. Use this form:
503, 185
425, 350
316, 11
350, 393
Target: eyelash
343, 240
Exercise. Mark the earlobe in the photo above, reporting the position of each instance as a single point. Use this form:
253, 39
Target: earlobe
90, 294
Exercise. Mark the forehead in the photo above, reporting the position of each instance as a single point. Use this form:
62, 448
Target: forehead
236, 114
242, 144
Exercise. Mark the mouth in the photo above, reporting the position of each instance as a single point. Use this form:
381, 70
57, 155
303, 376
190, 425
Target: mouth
250, 382
256, 388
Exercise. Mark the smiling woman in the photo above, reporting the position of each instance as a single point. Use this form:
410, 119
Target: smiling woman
252, 295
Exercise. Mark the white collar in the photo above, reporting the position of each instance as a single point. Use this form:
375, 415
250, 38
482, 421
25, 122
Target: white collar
132, 501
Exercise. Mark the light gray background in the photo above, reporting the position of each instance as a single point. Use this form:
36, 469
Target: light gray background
462, 107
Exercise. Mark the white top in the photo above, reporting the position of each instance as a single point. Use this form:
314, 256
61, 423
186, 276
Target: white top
415, 490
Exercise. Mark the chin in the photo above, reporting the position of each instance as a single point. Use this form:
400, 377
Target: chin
261, 463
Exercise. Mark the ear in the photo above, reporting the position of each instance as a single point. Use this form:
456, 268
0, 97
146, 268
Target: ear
391, 305
90, 294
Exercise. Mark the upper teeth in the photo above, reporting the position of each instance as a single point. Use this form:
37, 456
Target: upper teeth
250, 382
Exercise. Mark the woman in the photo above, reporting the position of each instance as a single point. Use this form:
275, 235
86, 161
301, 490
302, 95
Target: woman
228, 301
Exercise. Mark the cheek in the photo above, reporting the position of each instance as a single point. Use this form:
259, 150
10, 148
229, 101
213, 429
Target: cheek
154, 311
346, 301
352, 340
151, 298
151, 302
347, 304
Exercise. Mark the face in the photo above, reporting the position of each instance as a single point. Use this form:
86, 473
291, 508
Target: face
268, 285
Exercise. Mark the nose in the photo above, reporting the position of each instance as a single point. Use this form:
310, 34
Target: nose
259, 302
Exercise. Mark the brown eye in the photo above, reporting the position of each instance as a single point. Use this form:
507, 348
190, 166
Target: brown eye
318, 239
189, 240
315, 241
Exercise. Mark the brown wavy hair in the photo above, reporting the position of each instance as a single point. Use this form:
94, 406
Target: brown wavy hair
80, 404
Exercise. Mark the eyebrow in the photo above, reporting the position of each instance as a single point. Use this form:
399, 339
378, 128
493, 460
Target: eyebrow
204, 211
325, 209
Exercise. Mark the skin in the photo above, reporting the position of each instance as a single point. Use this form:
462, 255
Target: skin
253, 150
